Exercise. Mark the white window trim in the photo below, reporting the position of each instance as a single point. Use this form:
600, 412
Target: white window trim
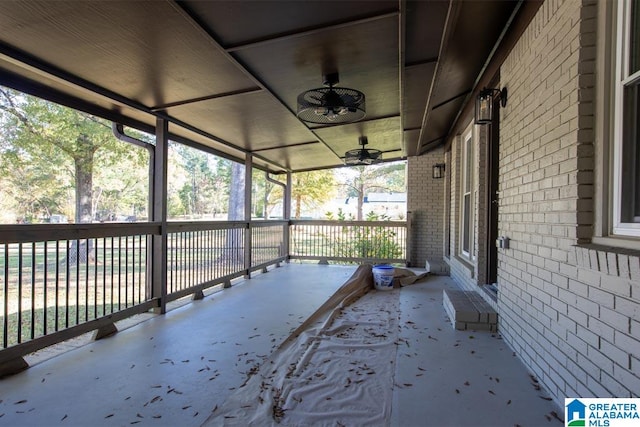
621, 79
468, 134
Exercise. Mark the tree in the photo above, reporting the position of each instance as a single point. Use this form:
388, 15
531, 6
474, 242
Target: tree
44, 133
236, 193
359, 180
311, 189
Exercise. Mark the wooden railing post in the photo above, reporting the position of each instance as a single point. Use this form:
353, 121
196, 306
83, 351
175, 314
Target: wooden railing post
408, 241
248, 186
287, 216
159, 254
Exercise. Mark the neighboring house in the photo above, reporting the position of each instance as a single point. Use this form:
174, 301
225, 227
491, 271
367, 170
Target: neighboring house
565, 191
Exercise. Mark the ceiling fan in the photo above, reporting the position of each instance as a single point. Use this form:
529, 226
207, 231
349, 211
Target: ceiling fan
331, 105
362, 156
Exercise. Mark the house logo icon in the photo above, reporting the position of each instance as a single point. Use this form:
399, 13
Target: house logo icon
576, 414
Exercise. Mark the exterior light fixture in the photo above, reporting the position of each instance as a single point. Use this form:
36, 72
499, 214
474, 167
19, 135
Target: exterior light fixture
484, 104
438, 170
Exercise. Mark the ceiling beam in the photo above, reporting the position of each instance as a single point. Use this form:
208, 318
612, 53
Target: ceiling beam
453, 98
310, 31
402, 36
421, 63
188, 14
206, 98
285, 146
447, 34
516, 25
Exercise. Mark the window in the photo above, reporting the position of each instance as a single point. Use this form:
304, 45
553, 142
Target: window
626, 167
467, 202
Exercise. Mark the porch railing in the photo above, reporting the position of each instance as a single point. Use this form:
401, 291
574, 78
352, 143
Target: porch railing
58, 281
349, 241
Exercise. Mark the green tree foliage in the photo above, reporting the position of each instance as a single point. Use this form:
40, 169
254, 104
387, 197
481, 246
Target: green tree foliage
360, 180
311, 189
198, 183
51, 157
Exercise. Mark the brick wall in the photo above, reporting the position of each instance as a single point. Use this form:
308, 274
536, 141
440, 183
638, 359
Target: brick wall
571, 313
425, 198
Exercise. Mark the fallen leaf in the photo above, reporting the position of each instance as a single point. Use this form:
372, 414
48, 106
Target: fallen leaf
556, 416
509, 402
457, 391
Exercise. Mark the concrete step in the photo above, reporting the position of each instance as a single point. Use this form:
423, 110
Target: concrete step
468, 311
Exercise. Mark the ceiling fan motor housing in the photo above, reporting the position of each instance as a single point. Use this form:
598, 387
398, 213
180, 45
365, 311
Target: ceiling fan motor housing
331, 105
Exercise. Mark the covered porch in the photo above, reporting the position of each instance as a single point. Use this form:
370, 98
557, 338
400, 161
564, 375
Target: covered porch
175, 369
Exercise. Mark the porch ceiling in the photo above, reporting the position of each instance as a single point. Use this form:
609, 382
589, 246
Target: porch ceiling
227, 73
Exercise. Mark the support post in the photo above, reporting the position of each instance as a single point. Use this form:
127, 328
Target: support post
159, 254
287, 216
248, 187
408, 240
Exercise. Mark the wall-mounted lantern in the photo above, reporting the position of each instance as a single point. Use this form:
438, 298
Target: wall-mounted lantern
484, 104
438, 170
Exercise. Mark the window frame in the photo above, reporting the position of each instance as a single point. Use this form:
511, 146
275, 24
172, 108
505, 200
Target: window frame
623, 79
467, 185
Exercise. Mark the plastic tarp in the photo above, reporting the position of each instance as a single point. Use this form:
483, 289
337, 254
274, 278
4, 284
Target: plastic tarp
336, 369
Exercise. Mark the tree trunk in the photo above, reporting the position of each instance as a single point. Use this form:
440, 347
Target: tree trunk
84, 181
360, 202
83, 250
236, 193
298, 207
234, 249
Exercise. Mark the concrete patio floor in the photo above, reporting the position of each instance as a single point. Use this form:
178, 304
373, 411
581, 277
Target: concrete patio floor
173, 370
